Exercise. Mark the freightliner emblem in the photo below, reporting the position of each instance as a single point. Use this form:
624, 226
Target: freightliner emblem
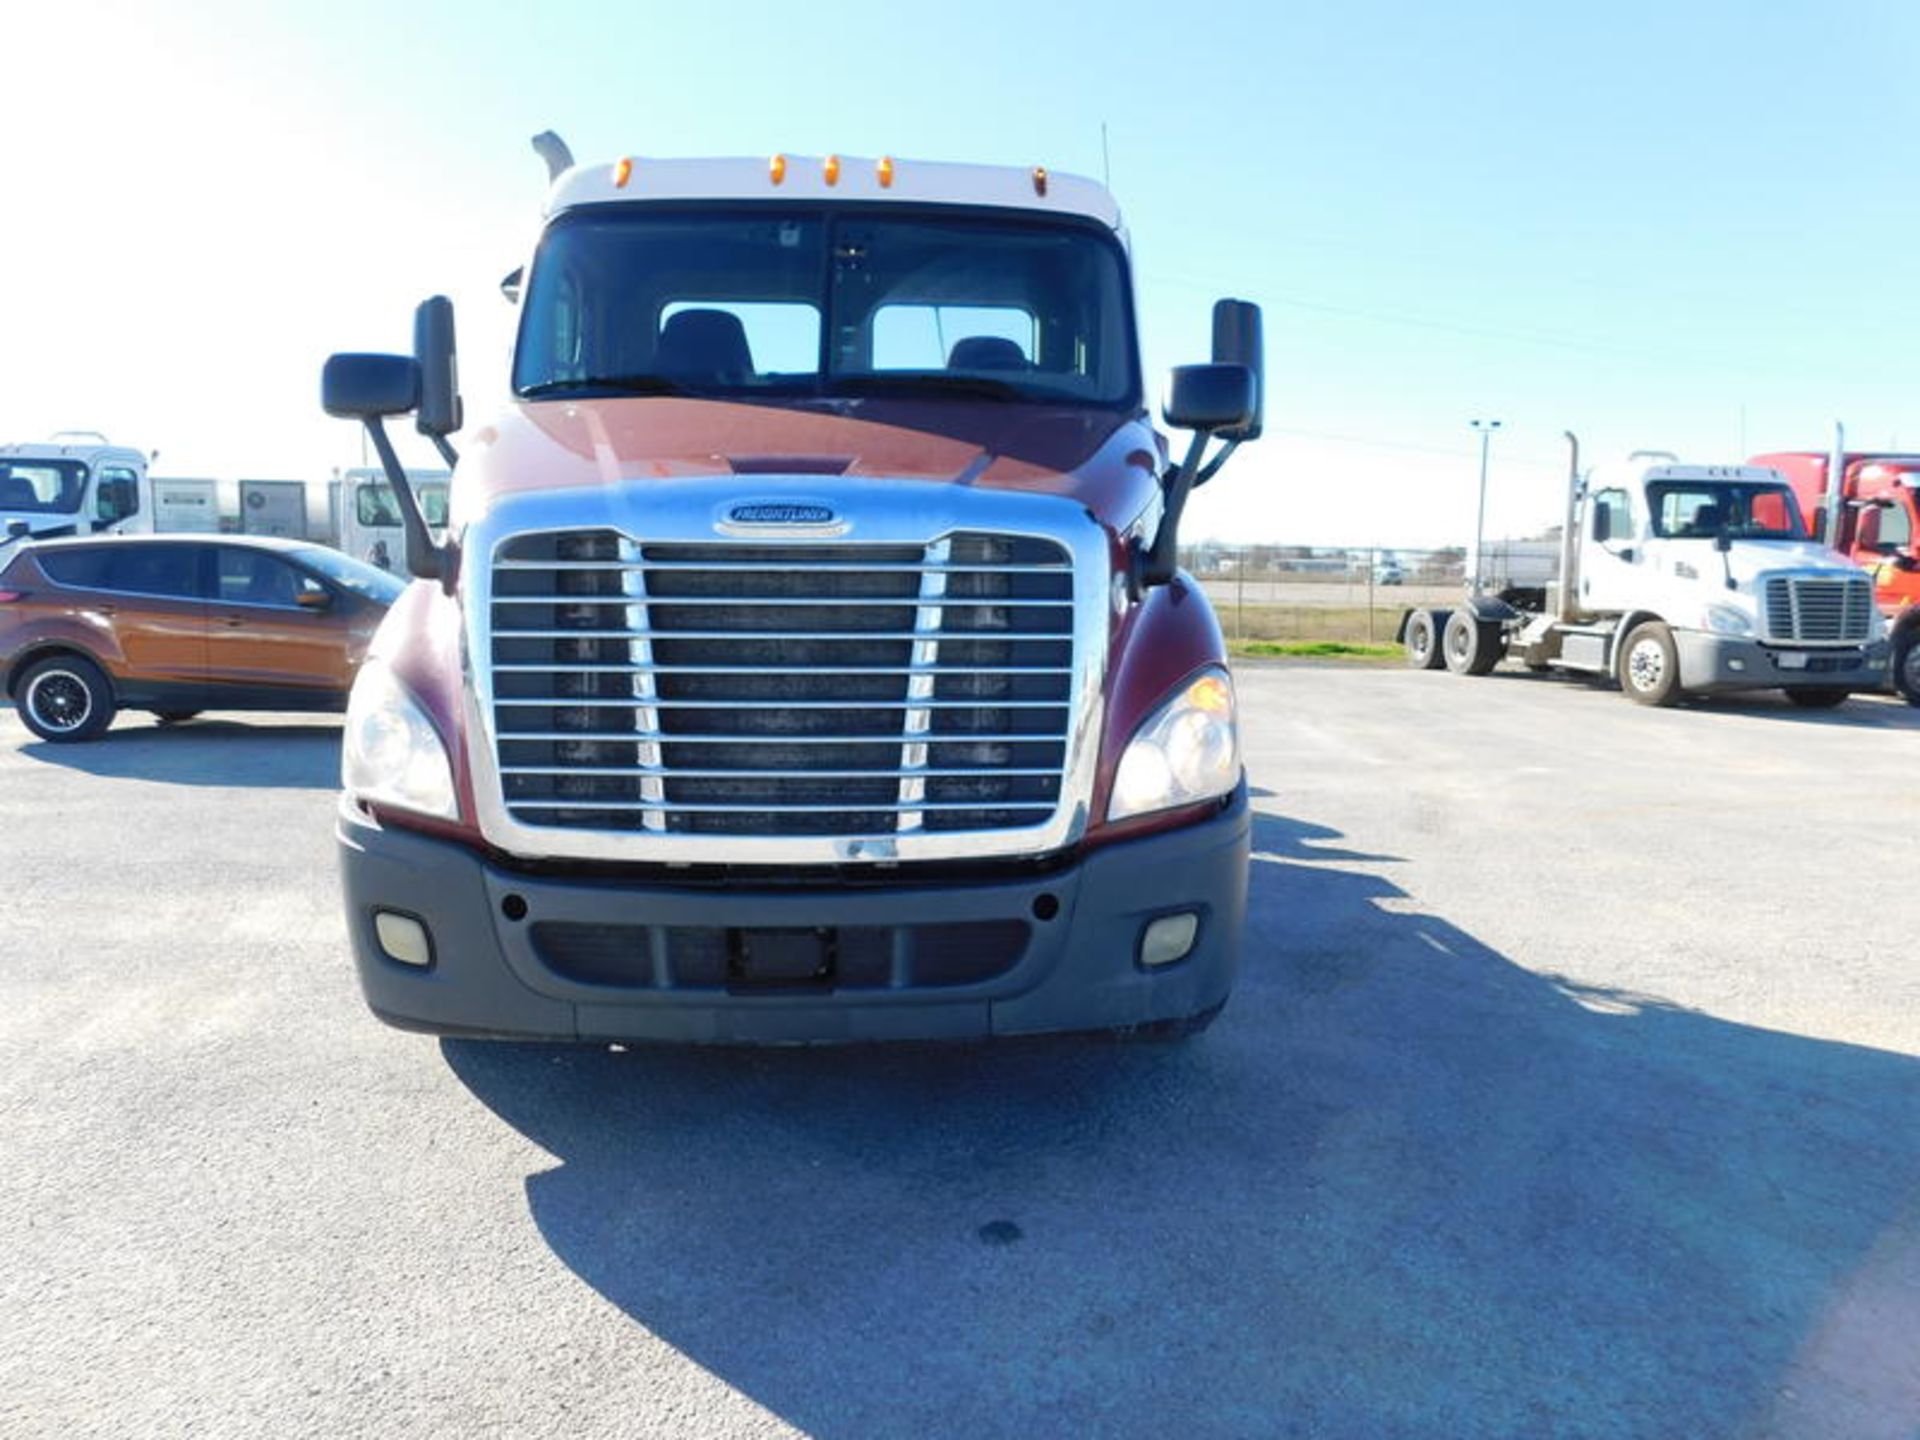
781, 514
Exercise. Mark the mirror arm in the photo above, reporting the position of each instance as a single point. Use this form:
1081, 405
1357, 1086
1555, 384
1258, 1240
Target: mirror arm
1212, 468
447, 452
425, 559
1158, 563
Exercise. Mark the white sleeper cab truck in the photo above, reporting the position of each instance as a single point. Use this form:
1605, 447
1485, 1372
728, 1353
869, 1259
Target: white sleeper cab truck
75, 484
1675, 580
805, 657
369, 526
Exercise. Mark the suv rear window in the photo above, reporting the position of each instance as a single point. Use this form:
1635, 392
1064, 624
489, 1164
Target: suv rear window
169, 570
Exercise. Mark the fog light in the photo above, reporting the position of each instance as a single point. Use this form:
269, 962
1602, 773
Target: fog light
402, 938
1168, 938
1736, 664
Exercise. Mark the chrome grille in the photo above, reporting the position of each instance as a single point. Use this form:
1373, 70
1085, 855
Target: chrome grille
1836, 609
792, 689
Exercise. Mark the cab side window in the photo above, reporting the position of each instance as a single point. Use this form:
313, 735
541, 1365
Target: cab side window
251, 577
1896, 528
1612, 517
117, 496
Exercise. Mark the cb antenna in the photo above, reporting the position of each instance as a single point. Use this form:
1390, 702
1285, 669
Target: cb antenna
1106, 162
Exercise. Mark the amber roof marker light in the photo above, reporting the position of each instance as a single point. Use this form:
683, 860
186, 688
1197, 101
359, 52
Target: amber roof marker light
883, 170
622, 172
777, 169
830, 169
1040, 180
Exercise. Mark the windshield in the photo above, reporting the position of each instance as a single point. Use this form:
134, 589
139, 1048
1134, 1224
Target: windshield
375, 504
351, 574
808, 302
44, 487
1698, 510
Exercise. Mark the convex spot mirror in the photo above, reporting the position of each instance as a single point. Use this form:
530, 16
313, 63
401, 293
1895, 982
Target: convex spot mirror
1214, 398
368, 387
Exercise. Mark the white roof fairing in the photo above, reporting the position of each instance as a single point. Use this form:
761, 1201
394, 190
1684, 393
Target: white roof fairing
914, 182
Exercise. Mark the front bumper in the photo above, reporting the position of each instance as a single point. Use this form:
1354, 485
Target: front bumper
624, 972
1711, 663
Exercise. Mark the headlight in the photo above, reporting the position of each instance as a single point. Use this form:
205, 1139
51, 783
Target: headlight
1188, 750
1727, 620
390, 753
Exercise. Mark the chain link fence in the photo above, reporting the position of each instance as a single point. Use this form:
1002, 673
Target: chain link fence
1350, 594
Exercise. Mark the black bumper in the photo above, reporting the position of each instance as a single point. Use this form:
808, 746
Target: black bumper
642, 960
1710, 663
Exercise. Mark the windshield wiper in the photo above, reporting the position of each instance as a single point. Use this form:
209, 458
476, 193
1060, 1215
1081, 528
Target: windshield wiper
927, 384
624, 384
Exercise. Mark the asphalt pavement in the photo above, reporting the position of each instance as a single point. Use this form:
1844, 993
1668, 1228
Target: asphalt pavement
1571, 1088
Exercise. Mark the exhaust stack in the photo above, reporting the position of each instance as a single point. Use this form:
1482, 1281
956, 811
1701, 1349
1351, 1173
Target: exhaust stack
1829, 531
1570, 535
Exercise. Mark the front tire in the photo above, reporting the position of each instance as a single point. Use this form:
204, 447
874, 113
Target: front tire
1423, 642
1821, 698
65, 699
1906, 666
1650, 665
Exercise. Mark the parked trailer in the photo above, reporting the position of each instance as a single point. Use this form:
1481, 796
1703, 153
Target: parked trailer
1676, 580
185, 506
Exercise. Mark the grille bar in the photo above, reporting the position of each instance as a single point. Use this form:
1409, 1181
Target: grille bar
953, 737
862, 567
924, 773
930, 669
780, 601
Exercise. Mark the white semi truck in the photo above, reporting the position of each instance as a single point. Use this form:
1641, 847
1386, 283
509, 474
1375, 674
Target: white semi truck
77, 483
367, 515
1676, 580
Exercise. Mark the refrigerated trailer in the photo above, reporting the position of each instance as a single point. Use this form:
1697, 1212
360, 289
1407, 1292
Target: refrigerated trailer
1675, 580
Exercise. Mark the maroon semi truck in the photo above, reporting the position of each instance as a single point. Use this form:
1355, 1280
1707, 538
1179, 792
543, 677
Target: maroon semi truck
805, 657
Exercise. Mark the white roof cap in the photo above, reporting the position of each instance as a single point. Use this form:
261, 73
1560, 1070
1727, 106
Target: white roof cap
859, 178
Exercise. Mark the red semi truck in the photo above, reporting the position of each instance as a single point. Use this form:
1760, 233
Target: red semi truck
1876, 498
805, 657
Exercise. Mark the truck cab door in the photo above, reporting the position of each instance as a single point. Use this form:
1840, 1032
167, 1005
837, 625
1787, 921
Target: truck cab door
1884, 545
118, 500
1610, 553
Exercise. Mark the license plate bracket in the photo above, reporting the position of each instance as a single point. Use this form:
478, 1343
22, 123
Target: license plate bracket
781, 959
1792, 660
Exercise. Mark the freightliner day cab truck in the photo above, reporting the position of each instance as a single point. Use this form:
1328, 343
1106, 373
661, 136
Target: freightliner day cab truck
805, 658
1876, 498
78, 483
1675, 580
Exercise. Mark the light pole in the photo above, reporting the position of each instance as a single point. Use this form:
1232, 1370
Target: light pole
1485, 429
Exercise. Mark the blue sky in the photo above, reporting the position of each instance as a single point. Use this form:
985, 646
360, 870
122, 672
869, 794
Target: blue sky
1685, 226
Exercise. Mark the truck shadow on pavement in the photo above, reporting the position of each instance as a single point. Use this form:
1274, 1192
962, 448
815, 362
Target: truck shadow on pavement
1403, 1187
302, 756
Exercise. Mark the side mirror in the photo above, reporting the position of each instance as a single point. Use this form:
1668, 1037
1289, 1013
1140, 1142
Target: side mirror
317, 599
369, 387
1722, 540
1602, 524
510, 285
18, 529
1237, 340
440, 409
1212, 399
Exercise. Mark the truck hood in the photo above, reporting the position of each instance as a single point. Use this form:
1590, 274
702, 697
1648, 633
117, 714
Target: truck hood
1750, 559
1107, 460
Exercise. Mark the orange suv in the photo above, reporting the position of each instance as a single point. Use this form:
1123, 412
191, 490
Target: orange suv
180, 624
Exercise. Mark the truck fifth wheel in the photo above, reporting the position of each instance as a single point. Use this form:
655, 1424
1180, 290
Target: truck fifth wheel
1675, 580
805, 657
